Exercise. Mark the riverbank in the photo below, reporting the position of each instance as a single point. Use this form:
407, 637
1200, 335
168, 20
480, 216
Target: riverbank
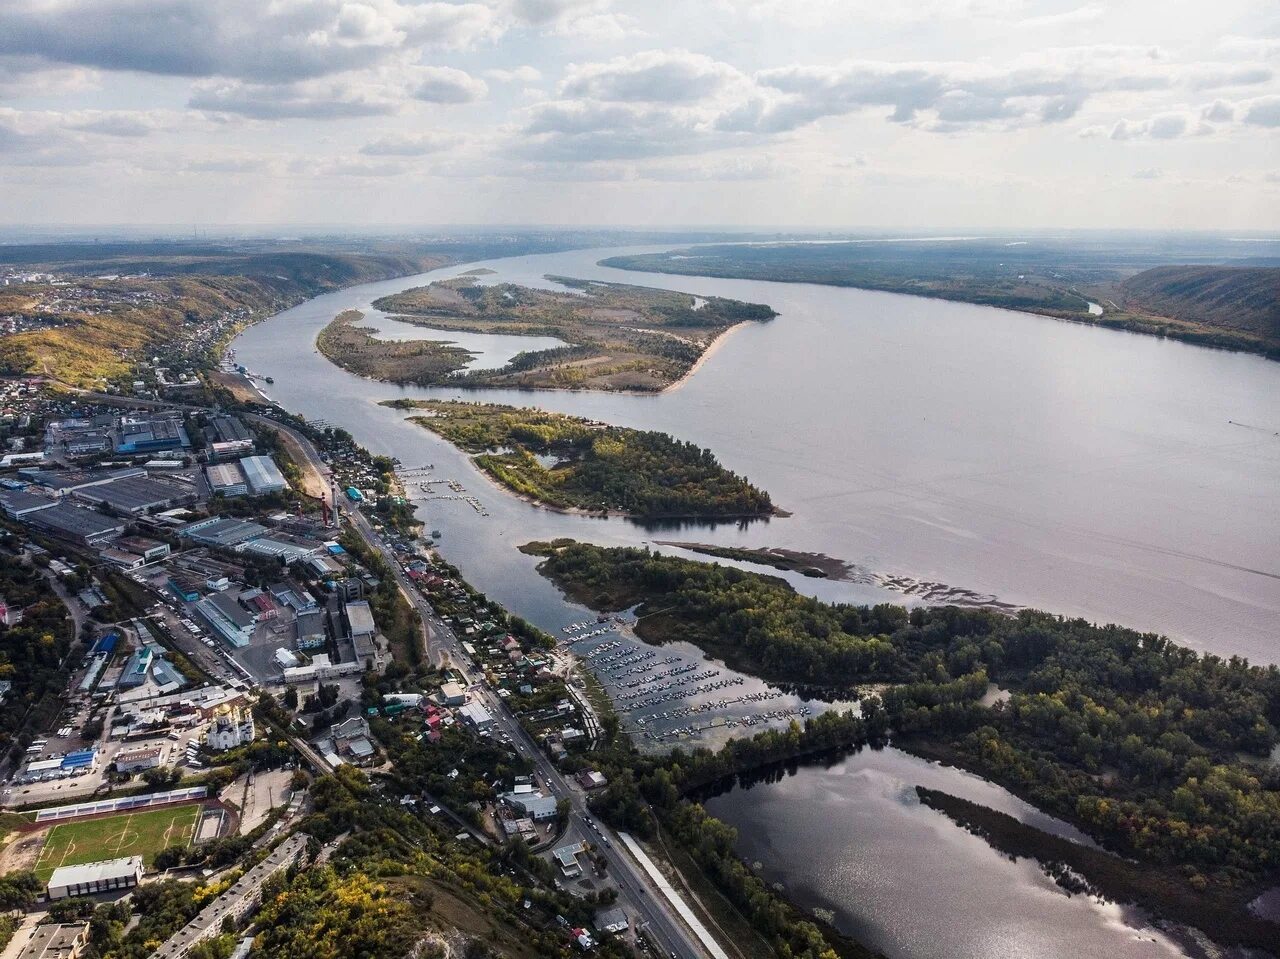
1081, 870
711, 349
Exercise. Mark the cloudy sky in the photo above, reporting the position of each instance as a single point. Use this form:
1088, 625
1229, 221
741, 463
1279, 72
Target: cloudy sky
901, 114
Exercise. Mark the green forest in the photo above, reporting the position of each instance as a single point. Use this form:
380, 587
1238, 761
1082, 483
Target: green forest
566, 462
1158, 752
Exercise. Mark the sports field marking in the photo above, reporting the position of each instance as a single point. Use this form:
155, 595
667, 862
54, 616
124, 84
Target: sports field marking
129, 834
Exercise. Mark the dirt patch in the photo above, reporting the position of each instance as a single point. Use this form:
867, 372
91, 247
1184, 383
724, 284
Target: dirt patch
23, 850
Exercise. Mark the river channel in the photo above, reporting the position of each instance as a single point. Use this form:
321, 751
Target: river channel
1114, 476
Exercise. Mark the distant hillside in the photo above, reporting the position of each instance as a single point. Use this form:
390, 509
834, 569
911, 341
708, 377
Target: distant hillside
1240, 299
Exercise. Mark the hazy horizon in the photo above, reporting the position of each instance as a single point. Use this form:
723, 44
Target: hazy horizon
974, 115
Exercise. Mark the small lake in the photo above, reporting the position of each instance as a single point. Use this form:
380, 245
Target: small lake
854, 839
492, 350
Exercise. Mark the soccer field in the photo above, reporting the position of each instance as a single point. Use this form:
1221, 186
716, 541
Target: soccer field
142, 833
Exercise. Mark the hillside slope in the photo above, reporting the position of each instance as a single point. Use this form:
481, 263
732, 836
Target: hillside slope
1241, 299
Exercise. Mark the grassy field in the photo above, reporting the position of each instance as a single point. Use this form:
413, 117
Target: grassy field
130, 834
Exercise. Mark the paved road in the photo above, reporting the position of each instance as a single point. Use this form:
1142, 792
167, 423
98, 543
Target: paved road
634, 887
658, 922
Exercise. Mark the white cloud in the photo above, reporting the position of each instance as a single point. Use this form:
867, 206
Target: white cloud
523, 74
409, 144
240, 39
1216, 77
1168, 126
1263, 112
331, 99
447, 85
658, 76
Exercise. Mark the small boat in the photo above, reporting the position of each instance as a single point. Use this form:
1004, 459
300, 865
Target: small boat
270, 379
435, 534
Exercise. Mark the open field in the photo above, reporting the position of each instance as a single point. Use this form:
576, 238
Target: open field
132, 834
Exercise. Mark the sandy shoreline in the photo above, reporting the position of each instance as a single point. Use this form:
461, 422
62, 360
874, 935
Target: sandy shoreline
712, 347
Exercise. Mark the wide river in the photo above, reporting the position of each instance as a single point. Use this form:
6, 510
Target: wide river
1090, 472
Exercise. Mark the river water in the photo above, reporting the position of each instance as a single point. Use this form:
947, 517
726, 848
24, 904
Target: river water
1087, 471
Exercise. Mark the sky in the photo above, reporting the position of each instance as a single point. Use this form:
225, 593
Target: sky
810, 114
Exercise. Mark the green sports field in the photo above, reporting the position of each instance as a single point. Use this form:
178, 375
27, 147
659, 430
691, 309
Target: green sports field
142, 833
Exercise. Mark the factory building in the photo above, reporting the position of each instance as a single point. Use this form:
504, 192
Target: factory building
149, 434
228, 619
76, 525
262, 474
226, 479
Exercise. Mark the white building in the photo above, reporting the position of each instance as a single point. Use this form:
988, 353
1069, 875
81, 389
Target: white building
476, 716
95, 877
230, 728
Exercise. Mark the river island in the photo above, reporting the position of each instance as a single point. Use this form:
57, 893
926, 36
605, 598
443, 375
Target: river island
616, 337
571, 463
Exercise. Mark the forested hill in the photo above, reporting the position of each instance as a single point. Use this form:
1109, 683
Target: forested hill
1244, 299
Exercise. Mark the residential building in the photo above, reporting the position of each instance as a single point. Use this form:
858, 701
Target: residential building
56, 940
234, 904
95, 877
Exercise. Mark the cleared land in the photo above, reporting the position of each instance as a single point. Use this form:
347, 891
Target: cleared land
131, 834
566, 462
618, 337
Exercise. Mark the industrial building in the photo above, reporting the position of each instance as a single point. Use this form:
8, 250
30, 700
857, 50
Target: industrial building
227, 619
136, 494
136, 760
281, 546
95, 877
75, 524
226, 479
19, 503
56, 940
62, 482
221, 532
263, 475
150, 433
310, 630
360, 628
452, 694
228, 437
137, 669
536, 806
476, 716
351, 742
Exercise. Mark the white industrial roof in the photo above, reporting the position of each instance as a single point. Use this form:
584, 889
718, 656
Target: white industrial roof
95, 872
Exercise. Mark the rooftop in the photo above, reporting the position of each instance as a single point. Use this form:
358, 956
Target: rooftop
95, 872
